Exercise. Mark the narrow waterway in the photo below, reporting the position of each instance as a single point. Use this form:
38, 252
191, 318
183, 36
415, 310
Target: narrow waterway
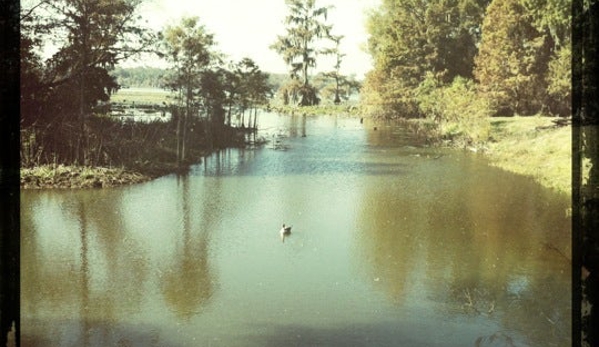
392, 244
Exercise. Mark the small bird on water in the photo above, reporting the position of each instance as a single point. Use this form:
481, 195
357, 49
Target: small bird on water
284, 231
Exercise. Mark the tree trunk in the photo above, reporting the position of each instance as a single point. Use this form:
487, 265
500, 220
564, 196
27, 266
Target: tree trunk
229, 114
178, 135
184, 136
79, 159
255, 117
337, 99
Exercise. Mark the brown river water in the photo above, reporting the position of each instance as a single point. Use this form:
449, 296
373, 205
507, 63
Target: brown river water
392, 244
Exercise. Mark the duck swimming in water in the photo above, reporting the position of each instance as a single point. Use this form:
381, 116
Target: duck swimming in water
284, 231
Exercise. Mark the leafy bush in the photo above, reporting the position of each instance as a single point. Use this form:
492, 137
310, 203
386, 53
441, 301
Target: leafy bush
456, 109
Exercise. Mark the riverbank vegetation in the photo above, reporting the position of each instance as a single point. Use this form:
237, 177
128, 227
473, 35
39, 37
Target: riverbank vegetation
139, 76
476, 61
68, 118
535, 146
348, 109
459, 63
490, 75
61, 176
462, 61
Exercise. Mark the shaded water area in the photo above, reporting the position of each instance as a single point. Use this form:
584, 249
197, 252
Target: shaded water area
393, 244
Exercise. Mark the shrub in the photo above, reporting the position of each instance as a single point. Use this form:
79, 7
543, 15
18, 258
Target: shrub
457, 110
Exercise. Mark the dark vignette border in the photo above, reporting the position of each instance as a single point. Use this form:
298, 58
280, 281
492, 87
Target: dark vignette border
585, 194
585, 219
9, 170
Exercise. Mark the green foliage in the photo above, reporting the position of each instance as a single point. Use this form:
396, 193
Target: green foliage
457, 110
188, 47
289, 92
560, 82
386, 97
553, 19
254, 85
332, 85
517, 50
245, 87
409, 38
295, 93
512, 59
299, 47
59, 94
62, 97
150, 77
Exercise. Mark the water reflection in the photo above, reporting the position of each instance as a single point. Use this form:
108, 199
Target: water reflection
86, 260
85, 313
392, 244
187, 283
470, 248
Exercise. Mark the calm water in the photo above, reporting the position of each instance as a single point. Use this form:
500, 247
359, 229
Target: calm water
392, 244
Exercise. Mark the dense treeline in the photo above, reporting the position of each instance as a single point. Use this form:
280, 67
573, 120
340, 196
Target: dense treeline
65, 113
460, 61
139, 76
59, 94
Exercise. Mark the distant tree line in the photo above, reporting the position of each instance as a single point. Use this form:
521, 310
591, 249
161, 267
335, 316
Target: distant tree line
139, 76
450, 59
64, 97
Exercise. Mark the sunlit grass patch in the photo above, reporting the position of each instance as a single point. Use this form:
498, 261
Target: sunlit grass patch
65, 176
535, 147
142, 96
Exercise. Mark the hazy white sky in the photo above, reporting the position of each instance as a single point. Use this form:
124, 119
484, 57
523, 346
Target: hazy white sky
246, 28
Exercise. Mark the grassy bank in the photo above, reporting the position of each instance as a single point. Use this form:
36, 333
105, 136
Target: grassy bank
61, 176
139, 160
533, 146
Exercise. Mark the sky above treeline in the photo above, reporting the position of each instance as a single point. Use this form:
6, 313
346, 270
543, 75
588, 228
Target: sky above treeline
247, 28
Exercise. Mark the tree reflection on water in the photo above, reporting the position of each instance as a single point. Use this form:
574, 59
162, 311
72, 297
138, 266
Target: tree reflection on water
187, 284
473, 249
